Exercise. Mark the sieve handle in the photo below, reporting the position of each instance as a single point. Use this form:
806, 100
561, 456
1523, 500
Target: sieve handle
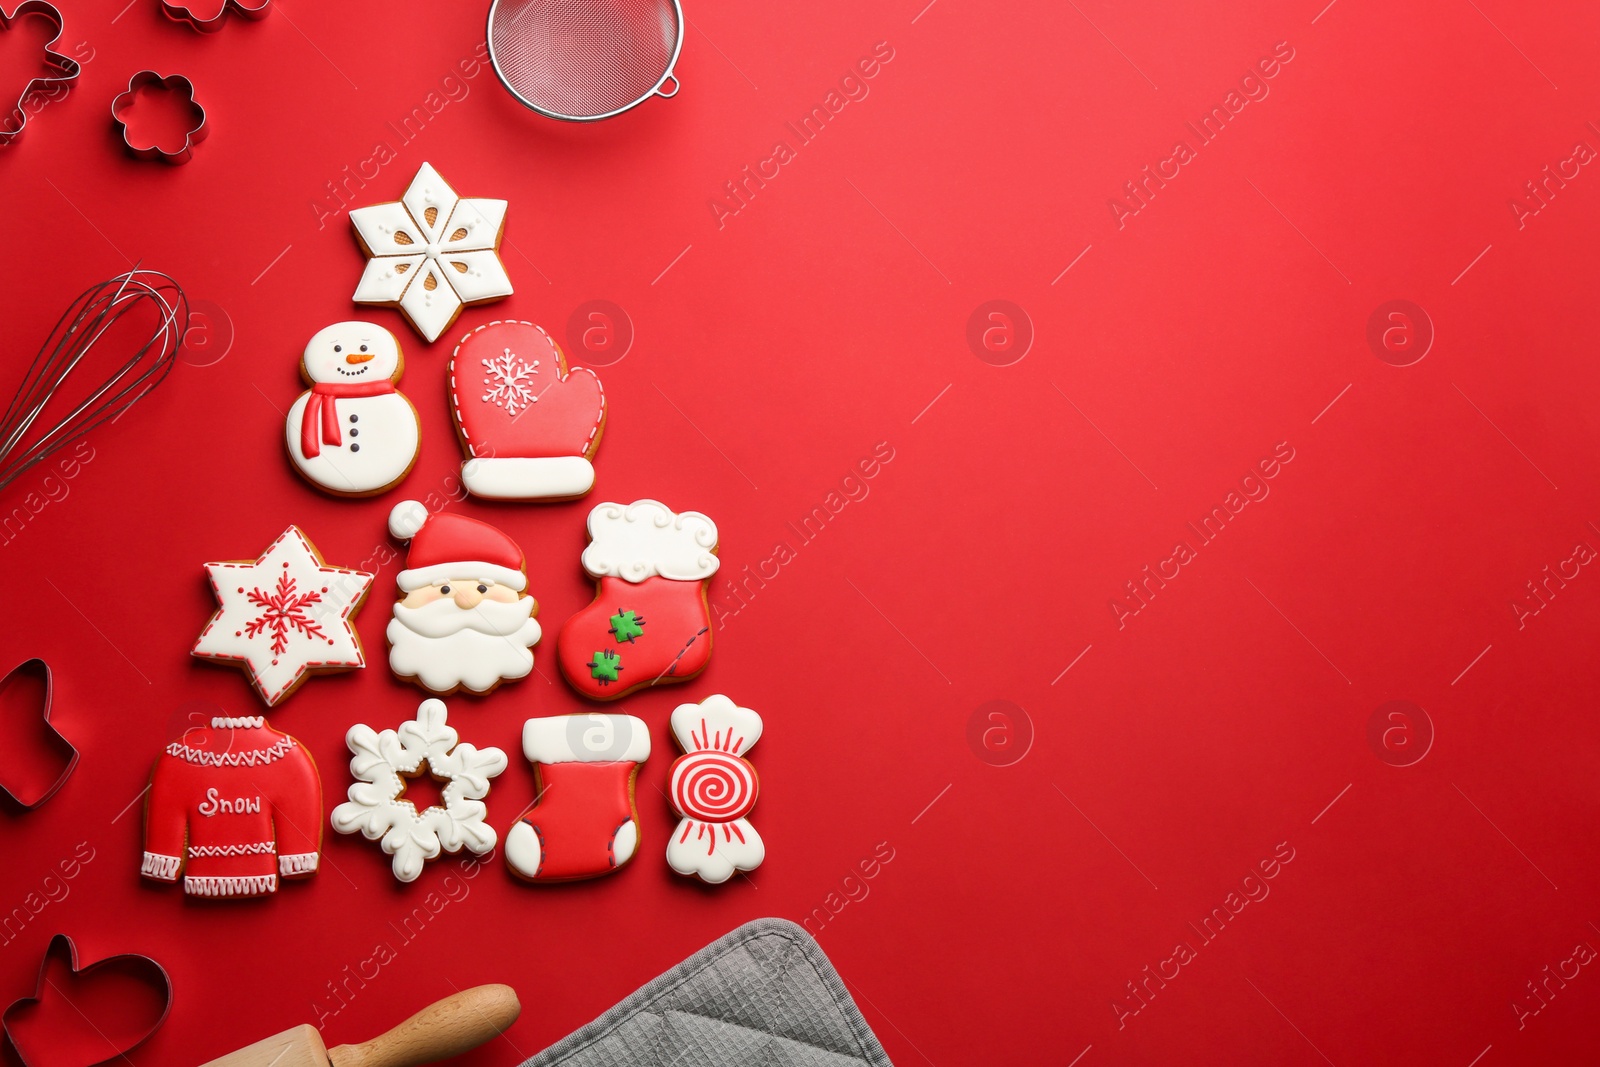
662, 90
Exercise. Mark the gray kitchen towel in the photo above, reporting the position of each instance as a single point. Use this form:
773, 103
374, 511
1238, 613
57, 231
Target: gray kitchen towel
764, 994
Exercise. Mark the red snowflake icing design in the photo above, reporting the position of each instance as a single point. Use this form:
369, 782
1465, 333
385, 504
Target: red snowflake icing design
282, 611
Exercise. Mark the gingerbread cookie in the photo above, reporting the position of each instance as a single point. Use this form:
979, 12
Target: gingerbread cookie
529, 426
284, 617
378, 810
233, 808
464, 619
713, 788
352, 433
649, 622
585, 822
431, 253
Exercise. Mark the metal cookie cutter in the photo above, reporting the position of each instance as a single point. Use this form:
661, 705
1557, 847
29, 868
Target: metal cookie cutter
57, 741
66, 69
205, 16
149, 79
138, 968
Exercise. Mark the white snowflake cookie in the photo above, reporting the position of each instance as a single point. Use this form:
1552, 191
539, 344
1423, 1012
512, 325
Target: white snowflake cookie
377, 808
431, 253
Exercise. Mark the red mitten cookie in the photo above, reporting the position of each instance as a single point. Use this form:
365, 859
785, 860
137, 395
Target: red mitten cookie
528, 425
649, 621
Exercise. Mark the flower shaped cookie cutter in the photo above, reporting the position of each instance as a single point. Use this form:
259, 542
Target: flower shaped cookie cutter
205, 16
54, 737
65, 70
125, 103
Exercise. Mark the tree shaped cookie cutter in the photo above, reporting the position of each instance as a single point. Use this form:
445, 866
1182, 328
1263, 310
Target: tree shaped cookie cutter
66, 69
149, 79
56, 739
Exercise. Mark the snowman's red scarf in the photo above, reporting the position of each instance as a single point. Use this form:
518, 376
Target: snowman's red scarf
322, 407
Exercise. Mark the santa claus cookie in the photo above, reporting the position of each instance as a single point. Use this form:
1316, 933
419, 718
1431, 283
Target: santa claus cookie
713, 787
585, 822
352, 433
529, 426
382, 763
464, 619
284, 617
431, 253
649, 621
232, 808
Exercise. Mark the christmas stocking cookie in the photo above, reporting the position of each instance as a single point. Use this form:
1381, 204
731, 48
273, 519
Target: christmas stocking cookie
529, 426
713, 787
585, 822
649, 621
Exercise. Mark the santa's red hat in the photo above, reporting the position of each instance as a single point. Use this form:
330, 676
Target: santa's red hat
453, 546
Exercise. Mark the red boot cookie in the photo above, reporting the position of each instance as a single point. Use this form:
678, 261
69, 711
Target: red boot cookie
649, 621
586, 822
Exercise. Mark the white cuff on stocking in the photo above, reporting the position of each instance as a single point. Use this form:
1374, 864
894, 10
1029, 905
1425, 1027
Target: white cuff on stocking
587, 738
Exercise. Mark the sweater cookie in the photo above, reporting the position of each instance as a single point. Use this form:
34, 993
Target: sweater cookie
233, 807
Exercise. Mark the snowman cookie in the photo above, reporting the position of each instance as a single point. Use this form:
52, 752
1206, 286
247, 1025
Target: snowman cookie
352, 433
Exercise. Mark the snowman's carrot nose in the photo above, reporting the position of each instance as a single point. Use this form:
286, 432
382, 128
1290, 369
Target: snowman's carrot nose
358, 357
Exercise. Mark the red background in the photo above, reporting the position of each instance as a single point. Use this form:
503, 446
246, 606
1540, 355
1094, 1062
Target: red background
778, 350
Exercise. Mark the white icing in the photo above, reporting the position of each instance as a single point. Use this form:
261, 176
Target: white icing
244, 722
254, 848
158, 866
712, 850
522, 478
390, 437
586, 738
511, 382
327, 355
230, 886
442, 646
250, 757
466, 570
298, 863
626, 843
376, 807
643, 539
523, 851
308, 615
405, 251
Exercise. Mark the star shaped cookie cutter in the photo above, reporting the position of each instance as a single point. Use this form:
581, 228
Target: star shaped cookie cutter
149, 79
56, 739
66, 69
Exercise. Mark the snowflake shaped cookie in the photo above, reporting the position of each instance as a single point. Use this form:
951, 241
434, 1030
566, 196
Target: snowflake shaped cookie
508, 381
377, 808
285, 616
431, 253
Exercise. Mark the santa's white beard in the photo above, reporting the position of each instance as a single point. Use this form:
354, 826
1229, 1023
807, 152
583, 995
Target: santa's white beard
444, 646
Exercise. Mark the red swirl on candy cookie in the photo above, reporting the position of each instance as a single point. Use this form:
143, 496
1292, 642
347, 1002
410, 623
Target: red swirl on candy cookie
713, 786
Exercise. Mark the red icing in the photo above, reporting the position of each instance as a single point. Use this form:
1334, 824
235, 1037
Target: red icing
713, 786
566, 418
581, 808
322, 406
675, 645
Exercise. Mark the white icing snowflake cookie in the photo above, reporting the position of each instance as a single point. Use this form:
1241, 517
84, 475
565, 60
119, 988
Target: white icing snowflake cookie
431, 253
377, 808
285, 616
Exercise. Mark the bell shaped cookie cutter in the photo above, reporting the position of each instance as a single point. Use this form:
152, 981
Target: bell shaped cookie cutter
55, 738
149, 79
65, 69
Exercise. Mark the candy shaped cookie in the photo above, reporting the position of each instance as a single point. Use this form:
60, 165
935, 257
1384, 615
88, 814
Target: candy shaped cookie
352, 433
233, 808
464, 619
649, 622
284, 617
713, 788
529, 426
585, 822
378, 810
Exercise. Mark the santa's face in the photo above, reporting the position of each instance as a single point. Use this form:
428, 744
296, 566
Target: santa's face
465, 632
351, 352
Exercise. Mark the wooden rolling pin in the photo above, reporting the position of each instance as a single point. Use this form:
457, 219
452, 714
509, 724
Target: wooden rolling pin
439, 1031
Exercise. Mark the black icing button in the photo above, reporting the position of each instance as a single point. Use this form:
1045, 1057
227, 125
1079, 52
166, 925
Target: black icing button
355, 433
355, 448
355, 418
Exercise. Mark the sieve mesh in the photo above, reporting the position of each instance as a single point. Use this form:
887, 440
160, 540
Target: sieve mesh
583, 59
